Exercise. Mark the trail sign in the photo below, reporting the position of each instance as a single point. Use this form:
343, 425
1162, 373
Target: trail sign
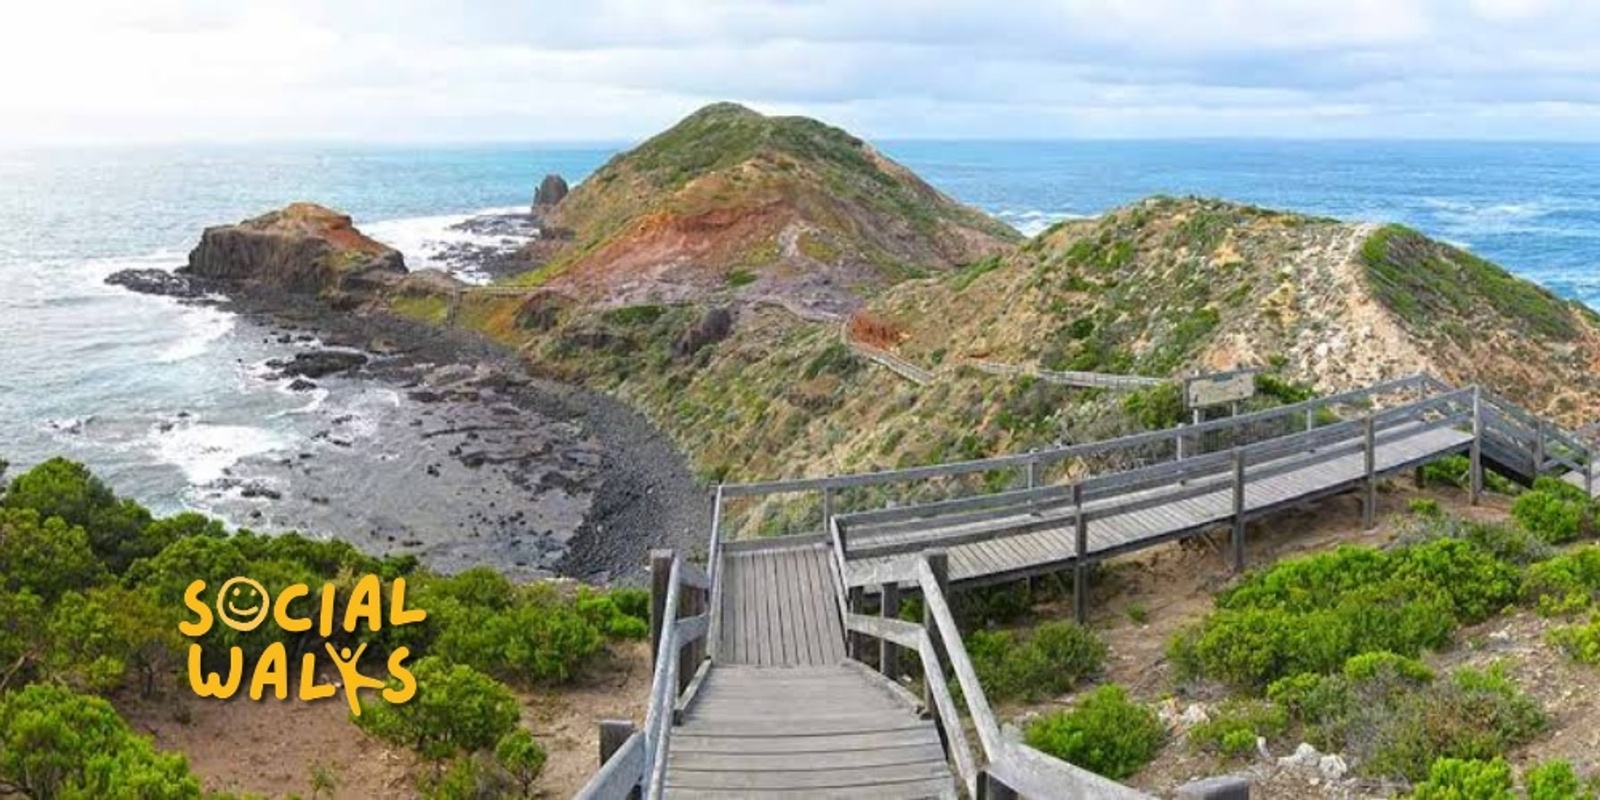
1219, 388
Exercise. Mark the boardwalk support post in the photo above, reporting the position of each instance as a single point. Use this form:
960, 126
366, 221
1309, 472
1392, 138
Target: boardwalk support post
827, 508
660, 584
939, 563
1369, 491
1238, 510
1475, 470
1033, 471
614, 733
855, 643
992, 788
1538, 448
889, 652
1080, 560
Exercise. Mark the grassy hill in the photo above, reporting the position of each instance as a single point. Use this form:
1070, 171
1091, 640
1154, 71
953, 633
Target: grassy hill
729, 201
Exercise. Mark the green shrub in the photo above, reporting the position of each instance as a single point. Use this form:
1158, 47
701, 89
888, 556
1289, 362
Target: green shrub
1235, 725
456, 710
1581, 642
1457, 779
1105, 733
1552, 515
1314, 613
1426, 507
54, 743
1555, 780
1473, 714
1047, 662
1566, 584
616, 613
521, 758
1157, 407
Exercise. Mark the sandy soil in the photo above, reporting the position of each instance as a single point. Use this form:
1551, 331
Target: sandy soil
274, 748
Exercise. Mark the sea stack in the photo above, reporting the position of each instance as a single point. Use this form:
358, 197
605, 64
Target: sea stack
303, 248
552, 190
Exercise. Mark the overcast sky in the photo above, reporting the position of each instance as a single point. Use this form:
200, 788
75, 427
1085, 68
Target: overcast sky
616, 70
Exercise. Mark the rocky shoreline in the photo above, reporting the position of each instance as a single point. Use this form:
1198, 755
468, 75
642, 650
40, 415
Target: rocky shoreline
465, 461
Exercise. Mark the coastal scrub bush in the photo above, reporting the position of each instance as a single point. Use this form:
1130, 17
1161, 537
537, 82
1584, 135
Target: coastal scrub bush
1312, 614
1157, 407
456, 710
1581, 642
57, 743
1235, 725
1555, 780
45, 556
1459, 779
1044, 663
66, 489
521, 757
1554, 511
1566, 584
1105, 733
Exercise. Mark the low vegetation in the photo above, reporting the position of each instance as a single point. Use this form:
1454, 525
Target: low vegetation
92, 590
1106, 732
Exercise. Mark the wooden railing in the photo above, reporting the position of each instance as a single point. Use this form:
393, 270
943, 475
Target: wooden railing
1178, 443
1000, 767
1082, 380
634, 763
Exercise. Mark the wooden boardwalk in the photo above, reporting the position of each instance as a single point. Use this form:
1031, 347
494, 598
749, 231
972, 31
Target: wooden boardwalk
761, 685
834, 731
779, 607
1043, 540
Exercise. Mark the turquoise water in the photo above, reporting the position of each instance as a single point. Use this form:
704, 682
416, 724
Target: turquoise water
161, 398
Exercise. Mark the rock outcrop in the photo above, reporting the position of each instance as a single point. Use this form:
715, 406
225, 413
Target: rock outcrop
552, 190
303, 248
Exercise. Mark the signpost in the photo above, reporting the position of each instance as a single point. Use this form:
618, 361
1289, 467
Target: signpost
1219, 389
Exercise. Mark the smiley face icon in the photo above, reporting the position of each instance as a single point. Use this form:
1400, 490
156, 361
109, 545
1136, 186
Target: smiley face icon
242, 604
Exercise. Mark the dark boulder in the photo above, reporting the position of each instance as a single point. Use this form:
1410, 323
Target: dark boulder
158, 281
713, 326
319, 363
552, 190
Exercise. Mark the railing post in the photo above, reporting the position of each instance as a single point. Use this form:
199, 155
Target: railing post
992, 788
1311, 418
854, 641
1180, 438
1238, 510
939, 564
1369, 497
690, 603
660, 585
1538, 447
1080, 558
1033, 471
827, 507
1475, 470
614, 733
889, 652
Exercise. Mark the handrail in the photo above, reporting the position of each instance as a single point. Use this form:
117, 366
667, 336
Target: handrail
1011, 764
1083, 380
641, 762
1065, 452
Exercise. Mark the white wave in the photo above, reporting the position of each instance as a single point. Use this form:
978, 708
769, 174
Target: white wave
426, 241
201, 327
1033, 221
319, 396
204, 452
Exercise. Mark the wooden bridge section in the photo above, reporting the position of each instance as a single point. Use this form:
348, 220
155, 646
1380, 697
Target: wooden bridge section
772, 680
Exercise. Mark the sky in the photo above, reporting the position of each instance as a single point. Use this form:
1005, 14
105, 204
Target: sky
99, 71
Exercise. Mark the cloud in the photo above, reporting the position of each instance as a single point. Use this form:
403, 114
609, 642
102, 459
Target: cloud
617, 69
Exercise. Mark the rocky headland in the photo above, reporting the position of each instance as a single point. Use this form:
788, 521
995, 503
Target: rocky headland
465, 460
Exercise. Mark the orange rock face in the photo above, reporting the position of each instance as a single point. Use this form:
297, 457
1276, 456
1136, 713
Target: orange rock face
302, 248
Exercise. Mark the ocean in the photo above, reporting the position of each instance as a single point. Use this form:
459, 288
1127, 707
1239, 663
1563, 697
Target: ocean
163, 399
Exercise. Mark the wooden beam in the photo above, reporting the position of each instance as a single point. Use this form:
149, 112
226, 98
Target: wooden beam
888, 653
1237, 543
1080, 558
1369, 489
1475, 470
660, 587
939, 563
